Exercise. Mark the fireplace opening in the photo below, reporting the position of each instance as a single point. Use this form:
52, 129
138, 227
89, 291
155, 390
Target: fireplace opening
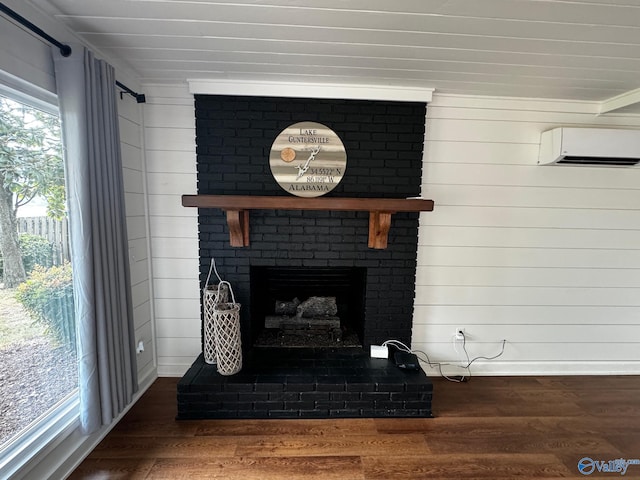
307, 307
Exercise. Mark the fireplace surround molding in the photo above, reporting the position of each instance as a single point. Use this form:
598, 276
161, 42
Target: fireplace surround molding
237, 209
262, 88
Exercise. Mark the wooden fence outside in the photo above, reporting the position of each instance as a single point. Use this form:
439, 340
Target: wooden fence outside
55, 231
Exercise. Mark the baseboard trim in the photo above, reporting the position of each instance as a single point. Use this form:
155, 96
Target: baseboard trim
172, 370
495, 368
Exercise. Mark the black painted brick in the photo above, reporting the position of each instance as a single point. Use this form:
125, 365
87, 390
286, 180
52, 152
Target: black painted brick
269, 387
360, 387
238, 387
237, 405
253, 397
314, 396
417, 405
331, 387
388, 404
376, 396
346, 413
224, 397
269, 405
284, 413
360, 404
300, 387
329, 404
345, 396
308, 405
314, 413
386, 163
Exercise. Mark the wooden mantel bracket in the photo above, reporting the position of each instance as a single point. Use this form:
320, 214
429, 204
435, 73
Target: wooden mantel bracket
237, 210
379, 225
238, 221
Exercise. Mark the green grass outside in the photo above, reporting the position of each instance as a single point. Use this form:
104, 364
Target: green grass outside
16, 325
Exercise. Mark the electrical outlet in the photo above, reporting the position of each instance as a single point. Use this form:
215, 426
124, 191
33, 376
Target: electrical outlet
459, 335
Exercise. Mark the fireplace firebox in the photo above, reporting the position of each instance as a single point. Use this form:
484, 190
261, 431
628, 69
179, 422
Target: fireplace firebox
279, 296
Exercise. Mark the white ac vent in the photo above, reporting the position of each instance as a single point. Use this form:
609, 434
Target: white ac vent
589, 146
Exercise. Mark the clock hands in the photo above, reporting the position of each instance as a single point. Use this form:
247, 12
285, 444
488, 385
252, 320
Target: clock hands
303, 169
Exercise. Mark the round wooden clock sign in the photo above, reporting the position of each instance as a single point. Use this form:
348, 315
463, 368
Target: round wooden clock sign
308, 159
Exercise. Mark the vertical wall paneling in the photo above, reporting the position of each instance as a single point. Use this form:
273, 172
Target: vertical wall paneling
547, 258
131, 131
169, 136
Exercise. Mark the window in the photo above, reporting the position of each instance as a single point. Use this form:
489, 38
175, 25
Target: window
38, 365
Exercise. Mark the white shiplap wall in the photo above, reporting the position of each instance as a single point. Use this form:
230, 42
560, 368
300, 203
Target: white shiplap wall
547, 258
131, 136
171, 172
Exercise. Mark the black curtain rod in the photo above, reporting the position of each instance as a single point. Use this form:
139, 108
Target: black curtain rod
140, 98
65, 50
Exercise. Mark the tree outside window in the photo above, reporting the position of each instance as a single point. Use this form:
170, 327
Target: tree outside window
38, 365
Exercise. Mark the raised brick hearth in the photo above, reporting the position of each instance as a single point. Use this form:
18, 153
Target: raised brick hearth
384, 143
305, 383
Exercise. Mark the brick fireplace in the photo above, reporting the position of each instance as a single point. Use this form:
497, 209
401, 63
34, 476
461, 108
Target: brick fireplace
384, 143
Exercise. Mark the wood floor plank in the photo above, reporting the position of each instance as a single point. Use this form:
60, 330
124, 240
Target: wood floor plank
591, 425
312, 445
160, 425
509, 442
620, 407
596, 383
287, 427
549, 395
112, 469
238, 468
540, 408
627, 443
460, 426
463, 466
164, 447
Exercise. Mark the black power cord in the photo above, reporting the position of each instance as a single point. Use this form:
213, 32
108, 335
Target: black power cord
457, 379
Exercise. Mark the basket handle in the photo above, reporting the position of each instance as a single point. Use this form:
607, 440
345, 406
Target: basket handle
212, 267
233, 297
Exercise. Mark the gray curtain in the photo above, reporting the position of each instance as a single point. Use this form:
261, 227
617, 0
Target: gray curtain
97, 223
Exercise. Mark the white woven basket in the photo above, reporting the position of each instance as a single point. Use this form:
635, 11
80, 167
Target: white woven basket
226, 328
209, 299
211, 294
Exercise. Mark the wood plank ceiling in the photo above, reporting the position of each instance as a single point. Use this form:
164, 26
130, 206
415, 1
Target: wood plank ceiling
569, 49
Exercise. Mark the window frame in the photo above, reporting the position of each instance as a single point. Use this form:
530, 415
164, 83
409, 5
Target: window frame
59, 422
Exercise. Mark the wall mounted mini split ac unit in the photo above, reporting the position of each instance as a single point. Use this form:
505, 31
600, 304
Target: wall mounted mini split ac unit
589, 146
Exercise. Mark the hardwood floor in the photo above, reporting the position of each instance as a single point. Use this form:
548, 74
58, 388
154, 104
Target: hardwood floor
488, 428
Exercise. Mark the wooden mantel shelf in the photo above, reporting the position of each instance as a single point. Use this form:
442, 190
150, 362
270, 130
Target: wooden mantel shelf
237, 209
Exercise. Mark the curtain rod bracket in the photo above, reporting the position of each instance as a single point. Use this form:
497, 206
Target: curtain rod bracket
140, 98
